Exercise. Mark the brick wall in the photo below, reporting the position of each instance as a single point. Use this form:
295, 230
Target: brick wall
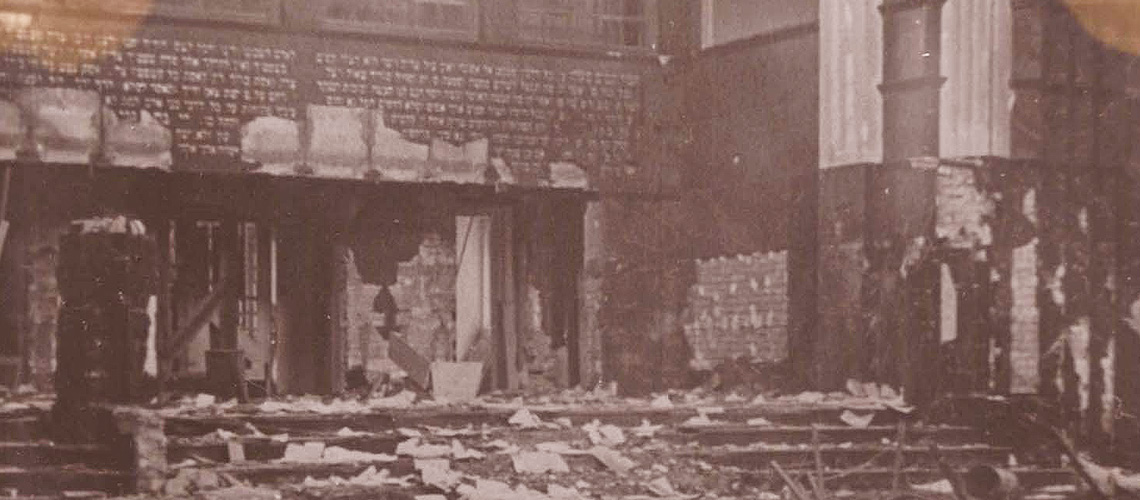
739, 306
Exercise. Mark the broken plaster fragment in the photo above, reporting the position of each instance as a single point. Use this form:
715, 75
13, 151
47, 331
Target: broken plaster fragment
525, 419
701, 420
437, 472
855, 420
413, 448
539, 462
661, 402
604, 435
612, 459
646, 430
304, 452
662, 488
346, 432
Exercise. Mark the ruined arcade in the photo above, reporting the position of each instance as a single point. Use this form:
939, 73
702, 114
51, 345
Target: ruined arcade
569, 249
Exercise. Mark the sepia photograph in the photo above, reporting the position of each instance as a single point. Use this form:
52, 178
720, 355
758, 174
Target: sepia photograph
570, 249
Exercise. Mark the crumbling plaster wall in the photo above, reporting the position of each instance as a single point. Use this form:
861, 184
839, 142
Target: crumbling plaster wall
730, 133
425, 297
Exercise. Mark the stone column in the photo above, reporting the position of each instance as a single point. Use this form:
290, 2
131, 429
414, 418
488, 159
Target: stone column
912, 34
900, 289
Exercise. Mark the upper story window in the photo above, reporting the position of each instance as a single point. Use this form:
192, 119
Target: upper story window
447, 18
254, 11
241, 11
613, 23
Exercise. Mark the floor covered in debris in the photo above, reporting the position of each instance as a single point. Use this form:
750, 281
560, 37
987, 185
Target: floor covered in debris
567, 446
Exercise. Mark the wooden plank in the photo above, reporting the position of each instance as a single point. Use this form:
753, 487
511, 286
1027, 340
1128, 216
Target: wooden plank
412, 362
5, 189
3, 235
197, 321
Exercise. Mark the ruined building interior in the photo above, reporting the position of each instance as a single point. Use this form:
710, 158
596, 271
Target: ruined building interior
545, 249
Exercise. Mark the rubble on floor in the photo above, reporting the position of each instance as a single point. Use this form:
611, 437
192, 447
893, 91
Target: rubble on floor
571, 445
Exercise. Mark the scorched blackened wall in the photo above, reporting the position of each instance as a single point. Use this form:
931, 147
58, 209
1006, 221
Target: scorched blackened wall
494, 93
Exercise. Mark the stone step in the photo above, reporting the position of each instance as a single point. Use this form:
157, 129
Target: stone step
23, 428
300, 424
354, 492
882, 478
68, 495
279, 474
838, 458
265, 449
378, 421
745, 434
48, 453
57, 479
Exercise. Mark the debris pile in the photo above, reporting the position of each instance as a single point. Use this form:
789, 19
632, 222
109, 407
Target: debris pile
575, 444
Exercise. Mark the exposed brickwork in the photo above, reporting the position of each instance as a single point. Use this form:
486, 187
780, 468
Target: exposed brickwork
43, 300
739, 307
1025, 349
963, 210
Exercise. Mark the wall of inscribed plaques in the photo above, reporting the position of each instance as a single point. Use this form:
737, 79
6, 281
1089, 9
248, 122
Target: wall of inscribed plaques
275, 102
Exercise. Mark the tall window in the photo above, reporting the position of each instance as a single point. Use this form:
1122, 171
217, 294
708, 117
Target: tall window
413, 17
613, 23
247, 304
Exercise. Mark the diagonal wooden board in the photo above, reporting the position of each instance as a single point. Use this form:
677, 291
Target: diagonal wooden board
3, 235
412, 362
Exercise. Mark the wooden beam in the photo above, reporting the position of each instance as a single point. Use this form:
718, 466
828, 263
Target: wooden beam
5, 189
190, 330
266, 322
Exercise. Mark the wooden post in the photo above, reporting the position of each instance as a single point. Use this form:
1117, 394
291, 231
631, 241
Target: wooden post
900, 457
164, 314
817, 483
224, 362
266, 295
503, 294
337, 310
